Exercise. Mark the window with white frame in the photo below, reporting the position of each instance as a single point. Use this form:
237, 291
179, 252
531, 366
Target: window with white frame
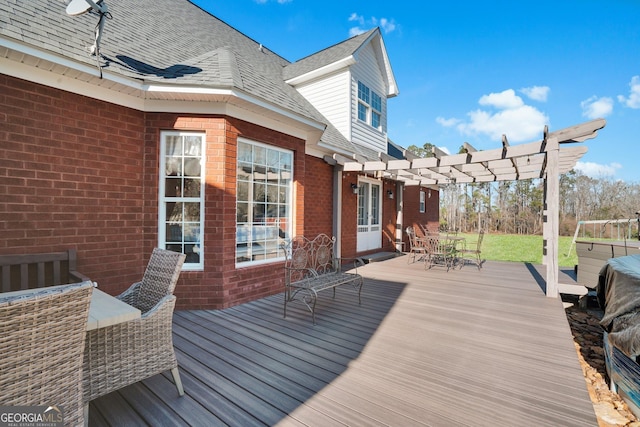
263, 202
369, 106
422, 201
181, 196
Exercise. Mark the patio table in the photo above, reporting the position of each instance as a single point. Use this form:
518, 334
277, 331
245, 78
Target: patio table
104, 309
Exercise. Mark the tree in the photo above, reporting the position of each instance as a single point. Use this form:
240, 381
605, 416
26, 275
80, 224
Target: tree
425, 151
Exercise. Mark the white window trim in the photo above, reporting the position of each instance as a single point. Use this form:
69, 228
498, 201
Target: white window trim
368, 106
423, 202
290, 224
162, 215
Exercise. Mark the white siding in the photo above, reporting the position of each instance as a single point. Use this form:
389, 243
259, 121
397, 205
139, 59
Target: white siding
367, 71
330, 96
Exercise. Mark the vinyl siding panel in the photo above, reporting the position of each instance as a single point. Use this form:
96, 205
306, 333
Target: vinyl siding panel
367, 71
330, 96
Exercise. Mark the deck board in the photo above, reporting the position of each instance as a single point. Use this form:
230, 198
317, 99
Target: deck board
425, 348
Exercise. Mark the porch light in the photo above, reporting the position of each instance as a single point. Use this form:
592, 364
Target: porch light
354, 187
390, 194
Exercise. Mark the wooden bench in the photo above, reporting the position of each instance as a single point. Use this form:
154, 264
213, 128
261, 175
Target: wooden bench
20, 272
311, 267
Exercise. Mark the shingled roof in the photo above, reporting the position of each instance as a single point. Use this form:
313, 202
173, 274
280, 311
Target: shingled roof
327, 56
175, 43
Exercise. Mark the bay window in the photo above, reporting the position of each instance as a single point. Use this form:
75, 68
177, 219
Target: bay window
263, 202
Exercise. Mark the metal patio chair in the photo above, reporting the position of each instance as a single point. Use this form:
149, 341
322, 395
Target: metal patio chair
416, 245
474, 253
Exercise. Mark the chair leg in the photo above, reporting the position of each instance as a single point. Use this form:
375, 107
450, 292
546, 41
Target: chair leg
177, 380
86, 414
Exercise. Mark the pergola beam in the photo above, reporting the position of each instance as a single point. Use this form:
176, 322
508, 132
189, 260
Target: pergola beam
541, 159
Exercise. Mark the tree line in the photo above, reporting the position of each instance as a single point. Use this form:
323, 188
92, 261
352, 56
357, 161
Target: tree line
516, 207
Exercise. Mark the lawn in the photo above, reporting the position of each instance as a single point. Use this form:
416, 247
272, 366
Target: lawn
521, 248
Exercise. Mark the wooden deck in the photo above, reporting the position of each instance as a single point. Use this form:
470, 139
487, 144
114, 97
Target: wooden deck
428, 348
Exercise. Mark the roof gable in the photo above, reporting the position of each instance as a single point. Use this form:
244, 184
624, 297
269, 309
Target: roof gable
339, 56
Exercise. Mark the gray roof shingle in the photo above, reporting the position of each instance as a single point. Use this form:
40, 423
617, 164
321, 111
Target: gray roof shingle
174, 42
327, 56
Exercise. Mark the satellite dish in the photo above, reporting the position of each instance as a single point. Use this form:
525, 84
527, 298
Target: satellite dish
78, 7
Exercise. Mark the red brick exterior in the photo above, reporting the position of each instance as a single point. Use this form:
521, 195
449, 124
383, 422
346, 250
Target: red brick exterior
71, 176
412, 215
80, 173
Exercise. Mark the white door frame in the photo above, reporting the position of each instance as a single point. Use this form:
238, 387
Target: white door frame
369, 215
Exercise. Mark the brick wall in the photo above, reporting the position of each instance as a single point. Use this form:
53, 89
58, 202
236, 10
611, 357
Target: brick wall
80, 173
71, 176
412, 215
318, 199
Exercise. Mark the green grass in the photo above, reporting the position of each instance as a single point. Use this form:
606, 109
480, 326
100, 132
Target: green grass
521, 248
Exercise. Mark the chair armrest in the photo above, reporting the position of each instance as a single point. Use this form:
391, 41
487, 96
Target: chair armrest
288, 271
357, 262
130, 295
160, 306
78, 277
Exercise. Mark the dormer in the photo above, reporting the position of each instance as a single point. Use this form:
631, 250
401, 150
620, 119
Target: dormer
350, 83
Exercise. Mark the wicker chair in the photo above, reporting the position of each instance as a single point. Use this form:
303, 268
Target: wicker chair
119, 355
42, 335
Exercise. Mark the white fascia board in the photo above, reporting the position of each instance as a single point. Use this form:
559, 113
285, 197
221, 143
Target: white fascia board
141, 103
238, 95
393, 86
319, 72
66, 62
68, 84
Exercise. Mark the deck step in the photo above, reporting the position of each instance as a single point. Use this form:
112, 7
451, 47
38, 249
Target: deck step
380, 256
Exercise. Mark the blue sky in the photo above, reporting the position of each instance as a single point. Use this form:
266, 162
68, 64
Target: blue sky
471, 71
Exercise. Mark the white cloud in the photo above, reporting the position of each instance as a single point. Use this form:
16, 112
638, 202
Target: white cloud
537, 93
504, 113
633, 101
447, 122
358, 18
594, 107
503, 100
596, 170
387, 25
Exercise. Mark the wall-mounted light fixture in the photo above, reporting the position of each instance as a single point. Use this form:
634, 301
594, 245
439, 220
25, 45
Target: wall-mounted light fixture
429, 193
354, 187
390, 194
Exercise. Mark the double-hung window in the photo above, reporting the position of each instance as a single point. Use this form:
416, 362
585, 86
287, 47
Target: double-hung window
376, 110
422, 202
263, 202
181, 198
369, 106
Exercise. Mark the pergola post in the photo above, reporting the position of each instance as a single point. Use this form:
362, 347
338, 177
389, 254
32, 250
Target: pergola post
552, 216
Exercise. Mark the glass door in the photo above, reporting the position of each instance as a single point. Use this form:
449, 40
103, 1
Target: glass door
369, 216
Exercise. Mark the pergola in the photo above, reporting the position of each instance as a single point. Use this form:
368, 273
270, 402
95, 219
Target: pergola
547, 159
